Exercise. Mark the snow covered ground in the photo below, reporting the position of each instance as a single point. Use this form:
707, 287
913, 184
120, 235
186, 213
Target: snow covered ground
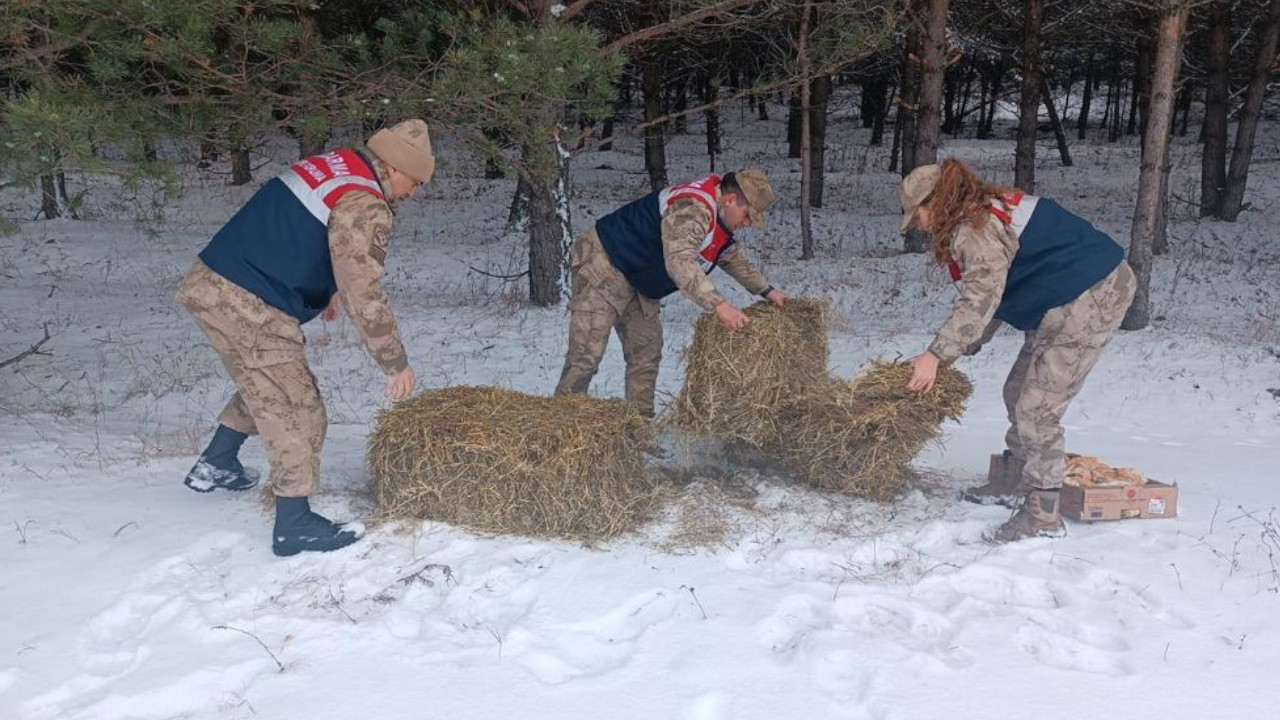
124, 595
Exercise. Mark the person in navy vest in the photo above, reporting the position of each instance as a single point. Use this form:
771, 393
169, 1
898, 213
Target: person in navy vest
1024, 261
310, 240
648, 249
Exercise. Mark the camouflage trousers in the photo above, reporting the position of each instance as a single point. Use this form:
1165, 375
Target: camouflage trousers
277, 396
1051, 368
603, 301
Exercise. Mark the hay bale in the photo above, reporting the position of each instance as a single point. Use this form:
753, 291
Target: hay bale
736, 380
501, 461
858, 436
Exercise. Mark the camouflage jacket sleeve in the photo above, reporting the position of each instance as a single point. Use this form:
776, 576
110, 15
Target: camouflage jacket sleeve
735, 262
359, 229
984, 255
684, 227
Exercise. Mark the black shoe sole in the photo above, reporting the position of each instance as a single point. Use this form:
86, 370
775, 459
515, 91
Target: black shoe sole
211, 488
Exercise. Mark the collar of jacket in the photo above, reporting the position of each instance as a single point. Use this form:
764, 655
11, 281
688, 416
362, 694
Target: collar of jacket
384, 180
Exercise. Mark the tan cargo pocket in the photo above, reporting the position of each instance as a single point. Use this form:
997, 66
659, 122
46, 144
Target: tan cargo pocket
275, 344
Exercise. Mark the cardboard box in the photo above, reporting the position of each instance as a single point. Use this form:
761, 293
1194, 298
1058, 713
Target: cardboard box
998, 470
1153, 500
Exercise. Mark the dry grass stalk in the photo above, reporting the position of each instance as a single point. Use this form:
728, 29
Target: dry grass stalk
858, 436
501, 461
736, 381
767, 388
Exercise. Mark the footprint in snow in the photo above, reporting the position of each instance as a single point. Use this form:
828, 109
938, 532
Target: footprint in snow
796, 618
600, 645
1068, 653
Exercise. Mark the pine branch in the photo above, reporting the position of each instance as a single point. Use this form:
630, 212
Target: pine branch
574, 9
789, 82
33, 350
671, 25
521, 7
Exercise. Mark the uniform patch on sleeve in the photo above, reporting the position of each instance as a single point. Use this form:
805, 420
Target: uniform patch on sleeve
378, 249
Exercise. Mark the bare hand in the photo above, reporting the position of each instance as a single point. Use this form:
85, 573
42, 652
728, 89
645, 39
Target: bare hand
400, 385
330, 313
924, 372
730, 316
777, 297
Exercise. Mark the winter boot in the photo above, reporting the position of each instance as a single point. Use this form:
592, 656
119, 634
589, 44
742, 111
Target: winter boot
1038, 517
219, 466
298, 529
1004, 484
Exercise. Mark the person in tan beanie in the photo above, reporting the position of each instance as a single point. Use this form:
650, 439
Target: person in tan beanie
313, 238
666, 241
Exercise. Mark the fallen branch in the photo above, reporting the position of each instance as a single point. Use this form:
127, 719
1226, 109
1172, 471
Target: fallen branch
255, 637
517, 276
33, 350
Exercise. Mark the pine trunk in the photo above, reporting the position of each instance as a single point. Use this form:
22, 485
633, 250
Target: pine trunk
793, 125
492, 169
895, 149
655, 149
1106, 107
620, 103
1135, 100
1250, 113
910, 86
1056, 122
1213, 161
240, 169
311, 143
1160, 243
1142, 81
819, 97
1024, 165
1155, 155
518, 210
1117, 93
606, 133
928, 120
49, 205
550, 232
877, 127
950, 96
873, 101
965, 92
713, 121
986, 123
806, 138
208, 154
681, 125
933, 58
1184, 107
1086, 101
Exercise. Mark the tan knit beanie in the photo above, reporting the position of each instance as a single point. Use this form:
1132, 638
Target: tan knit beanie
406, 146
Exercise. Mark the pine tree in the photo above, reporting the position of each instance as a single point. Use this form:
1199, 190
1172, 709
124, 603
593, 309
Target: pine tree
525, 78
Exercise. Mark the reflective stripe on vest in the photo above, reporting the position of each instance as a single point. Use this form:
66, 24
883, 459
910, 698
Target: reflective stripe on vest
318, 182
1010, 210
718, 239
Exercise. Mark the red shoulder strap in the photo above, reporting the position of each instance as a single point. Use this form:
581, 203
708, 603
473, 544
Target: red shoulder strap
1013, 200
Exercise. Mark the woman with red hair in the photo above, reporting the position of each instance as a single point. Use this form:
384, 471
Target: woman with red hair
1025, 261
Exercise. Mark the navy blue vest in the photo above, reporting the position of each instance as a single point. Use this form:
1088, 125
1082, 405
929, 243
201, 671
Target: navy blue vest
632, 238
1060, 255
277, 245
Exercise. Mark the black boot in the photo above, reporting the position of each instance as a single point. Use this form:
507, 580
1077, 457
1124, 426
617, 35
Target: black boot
1004, 486
219, 466
298, 529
